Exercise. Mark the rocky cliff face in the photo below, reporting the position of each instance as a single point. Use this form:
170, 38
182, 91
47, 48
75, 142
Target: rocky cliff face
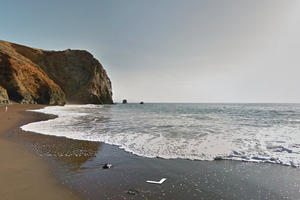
52, 77
3, 96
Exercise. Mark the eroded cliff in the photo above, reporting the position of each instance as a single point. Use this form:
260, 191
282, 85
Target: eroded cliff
3, 96
32, 75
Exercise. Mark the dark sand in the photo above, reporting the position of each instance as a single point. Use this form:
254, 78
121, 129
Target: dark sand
78, 165
23, 174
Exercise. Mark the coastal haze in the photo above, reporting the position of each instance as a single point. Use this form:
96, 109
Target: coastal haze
174, 51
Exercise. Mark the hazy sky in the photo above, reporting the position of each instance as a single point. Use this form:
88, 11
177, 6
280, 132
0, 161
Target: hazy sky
173, 51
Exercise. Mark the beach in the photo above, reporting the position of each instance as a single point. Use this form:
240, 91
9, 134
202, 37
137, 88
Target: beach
24, 174
60, 168
150, 100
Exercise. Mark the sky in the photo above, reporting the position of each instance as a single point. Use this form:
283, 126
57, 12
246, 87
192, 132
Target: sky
172, 50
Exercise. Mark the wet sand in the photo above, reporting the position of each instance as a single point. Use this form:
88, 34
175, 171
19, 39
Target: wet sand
24, 174
186, 179
78, 165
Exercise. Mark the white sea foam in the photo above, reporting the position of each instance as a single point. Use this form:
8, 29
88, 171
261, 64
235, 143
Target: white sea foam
258, 133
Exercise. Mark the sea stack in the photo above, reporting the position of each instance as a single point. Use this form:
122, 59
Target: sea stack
36, 76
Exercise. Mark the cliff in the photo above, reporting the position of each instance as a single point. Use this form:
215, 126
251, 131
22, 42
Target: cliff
32, 75
3, 96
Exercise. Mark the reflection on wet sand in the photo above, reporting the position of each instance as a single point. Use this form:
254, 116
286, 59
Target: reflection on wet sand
71, 152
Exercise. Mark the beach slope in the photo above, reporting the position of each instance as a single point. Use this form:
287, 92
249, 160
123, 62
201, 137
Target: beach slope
23, 174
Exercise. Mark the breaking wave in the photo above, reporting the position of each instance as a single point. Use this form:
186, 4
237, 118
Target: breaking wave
248, 132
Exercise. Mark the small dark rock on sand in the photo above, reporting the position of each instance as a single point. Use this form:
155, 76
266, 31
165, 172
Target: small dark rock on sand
107, 166
132, 192
218, 158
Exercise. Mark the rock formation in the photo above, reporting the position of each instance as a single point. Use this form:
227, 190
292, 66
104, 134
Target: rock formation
52, 77
3, 96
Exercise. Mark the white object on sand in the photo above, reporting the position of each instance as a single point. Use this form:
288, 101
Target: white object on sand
6, 108
107, 166
157, 182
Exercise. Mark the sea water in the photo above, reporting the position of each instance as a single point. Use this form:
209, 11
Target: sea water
247, 132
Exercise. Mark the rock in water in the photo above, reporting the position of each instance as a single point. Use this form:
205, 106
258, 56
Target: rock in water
124, 101
141, 102
218, 158
52, 77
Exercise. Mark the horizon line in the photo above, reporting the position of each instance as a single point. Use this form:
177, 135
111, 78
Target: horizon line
128, 102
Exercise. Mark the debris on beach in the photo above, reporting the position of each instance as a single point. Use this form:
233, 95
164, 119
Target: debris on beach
157, 182
107, 166
218, 158
132, 192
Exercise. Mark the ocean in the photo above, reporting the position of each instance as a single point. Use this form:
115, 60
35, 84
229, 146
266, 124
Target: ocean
197, 131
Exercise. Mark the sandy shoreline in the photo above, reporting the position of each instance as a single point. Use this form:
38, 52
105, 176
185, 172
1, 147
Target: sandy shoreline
24, 175
78, 165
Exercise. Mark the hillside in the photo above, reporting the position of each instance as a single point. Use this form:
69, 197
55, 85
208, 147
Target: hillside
30, 75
